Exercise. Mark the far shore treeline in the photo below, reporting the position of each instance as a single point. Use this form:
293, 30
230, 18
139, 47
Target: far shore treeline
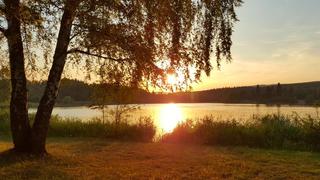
74, 92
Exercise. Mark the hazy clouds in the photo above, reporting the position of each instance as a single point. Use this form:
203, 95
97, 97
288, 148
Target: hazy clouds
275, 41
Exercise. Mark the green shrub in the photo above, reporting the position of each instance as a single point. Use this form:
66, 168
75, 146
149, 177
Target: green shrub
270, 131
144, 130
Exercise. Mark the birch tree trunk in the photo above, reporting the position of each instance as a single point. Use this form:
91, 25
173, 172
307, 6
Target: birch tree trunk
19, 121
47, 102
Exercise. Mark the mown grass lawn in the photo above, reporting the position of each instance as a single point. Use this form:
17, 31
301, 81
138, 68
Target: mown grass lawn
86, 158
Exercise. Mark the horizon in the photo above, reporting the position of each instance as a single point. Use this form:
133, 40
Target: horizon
269, 84
250, 85
274, 41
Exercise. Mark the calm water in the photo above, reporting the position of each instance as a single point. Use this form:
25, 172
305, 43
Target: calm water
166, 116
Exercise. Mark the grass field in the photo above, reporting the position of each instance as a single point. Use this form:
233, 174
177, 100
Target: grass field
88, 158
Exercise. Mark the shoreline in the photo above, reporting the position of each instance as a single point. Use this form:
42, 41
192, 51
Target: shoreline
87, 104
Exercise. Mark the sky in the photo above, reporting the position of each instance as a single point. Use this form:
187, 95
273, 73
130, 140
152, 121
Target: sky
274, 41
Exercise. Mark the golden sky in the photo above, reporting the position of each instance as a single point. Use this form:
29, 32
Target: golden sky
275, 41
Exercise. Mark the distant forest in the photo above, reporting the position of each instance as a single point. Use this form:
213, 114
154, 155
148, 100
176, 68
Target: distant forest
80, 93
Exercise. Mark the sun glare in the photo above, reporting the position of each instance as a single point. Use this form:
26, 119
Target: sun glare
170, 117
171, 79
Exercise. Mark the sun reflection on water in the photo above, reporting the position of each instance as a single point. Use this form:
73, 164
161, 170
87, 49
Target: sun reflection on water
170, 116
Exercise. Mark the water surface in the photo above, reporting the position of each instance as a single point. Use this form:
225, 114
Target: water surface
166, 116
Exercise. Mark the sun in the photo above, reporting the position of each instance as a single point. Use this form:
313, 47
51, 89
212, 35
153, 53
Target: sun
170, 117
171, 79
175, 79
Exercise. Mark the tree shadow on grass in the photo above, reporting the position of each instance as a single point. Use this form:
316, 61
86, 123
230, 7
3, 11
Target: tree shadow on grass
10, 157
15, 165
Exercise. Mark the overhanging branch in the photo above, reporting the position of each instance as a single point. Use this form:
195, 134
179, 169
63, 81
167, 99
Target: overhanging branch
121, 60
97, 55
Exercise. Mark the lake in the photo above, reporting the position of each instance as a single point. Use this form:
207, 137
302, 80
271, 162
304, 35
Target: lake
167, 116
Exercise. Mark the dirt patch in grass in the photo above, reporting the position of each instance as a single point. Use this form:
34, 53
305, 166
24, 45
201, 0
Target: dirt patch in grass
73, 158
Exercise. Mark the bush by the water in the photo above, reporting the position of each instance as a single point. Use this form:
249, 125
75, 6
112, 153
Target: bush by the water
270, 131
143, 130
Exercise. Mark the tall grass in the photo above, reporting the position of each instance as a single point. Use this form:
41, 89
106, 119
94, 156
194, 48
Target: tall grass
144, 130
270, 131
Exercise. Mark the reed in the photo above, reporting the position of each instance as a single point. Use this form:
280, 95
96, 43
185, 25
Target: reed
144, 130
270, 131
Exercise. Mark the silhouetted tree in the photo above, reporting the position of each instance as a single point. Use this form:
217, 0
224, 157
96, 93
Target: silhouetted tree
258, 91
120, 99
279, 90
144, 40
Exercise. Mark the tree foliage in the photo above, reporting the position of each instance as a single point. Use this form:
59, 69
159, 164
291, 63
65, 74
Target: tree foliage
135, 41
128, 42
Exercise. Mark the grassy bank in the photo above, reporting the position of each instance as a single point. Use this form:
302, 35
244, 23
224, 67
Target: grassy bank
270, 131
144, 130
74, 158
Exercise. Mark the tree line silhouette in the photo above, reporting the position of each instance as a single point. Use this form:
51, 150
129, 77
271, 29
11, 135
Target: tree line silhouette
74, 92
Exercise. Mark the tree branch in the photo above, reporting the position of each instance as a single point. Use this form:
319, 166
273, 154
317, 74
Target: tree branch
96, 55
108, 58
74, 35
